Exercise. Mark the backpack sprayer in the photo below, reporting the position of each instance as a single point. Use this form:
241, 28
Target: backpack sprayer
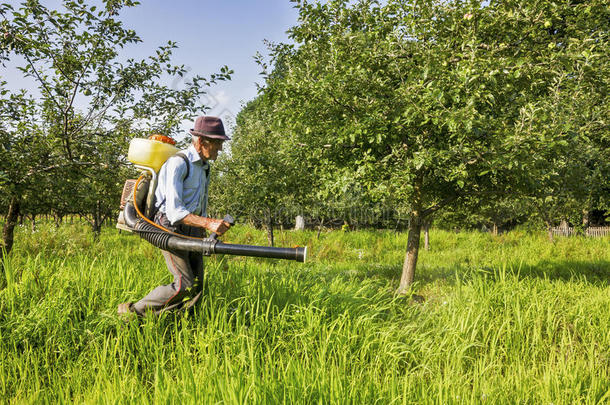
138, 207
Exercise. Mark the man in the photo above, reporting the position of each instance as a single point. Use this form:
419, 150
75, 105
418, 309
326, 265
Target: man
181, 201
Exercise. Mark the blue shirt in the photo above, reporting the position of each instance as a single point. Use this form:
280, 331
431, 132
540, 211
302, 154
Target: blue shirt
176, 196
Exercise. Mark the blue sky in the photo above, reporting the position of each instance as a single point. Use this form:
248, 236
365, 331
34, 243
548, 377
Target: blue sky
213, 33
210, 34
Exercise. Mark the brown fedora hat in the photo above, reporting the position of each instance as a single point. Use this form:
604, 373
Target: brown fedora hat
209, 127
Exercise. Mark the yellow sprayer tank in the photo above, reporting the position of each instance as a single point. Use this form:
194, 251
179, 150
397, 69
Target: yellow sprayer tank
150, 153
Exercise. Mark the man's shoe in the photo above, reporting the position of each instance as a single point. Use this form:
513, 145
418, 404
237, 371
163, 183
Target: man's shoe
126, 309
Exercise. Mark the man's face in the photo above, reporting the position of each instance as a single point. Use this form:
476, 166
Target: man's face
208, 148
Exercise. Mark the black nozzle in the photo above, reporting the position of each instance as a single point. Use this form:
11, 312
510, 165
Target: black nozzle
166, 241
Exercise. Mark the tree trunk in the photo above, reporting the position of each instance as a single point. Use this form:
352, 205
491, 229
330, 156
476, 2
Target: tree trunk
408, 267
585, 219
495, 229
320, 228
565, 227
549, 230
269, 226
9, 225
299, 223
97, 221
427, 235
33, 222
58, 220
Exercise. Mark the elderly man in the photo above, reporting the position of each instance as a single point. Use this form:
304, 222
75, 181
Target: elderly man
182, 196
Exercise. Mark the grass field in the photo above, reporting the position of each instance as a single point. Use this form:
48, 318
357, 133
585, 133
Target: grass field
507, 319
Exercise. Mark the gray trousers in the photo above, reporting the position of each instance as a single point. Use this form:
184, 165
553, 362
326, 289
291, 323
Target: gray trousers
187, 269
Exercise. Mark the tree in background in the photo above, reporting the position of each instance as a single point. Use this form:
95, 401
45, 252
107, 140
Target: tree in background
15, 146
90, 102
424, 102
571, 176
261, 178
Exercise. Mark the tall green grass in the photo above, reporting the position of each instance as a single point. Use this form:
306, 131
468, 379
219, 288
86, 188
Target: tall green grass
507, 319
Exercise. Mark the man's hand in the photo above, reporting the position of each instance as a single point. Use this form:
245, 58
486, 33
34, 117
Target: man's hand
213, 225
218, 226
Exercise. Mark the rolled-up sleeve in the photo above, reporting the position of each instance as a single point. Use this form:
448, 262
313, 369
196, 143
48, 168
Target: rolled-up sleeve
175, 208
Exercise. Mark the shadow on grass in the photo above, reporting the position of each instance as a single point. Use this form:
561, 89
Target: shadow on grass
596, 273
361, 287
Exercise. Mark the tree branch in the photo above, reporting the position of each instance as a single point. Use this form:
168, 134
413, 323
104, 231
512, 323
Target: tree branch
438, 206
58, 166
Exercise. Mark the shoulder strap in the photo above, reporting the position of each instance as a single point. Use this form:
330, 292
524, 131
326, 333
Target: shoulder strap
186, 160
188, 172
